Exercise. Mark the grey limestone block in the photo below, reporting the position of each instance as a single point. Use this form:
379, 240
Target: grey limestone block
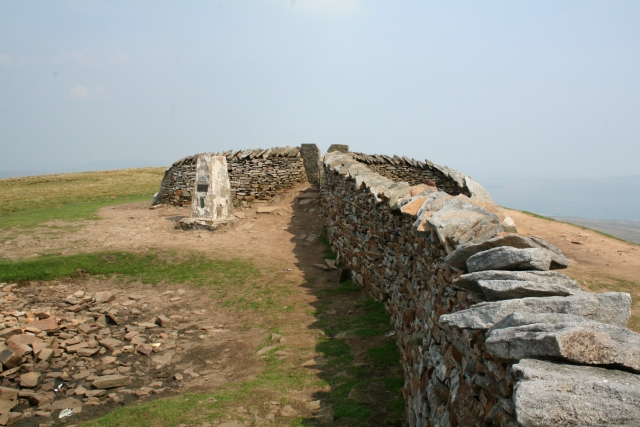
462, 253
590, 343
496, 290
508, 258
311, 157
613, 308
552, 394
342, 148
470, 281
518, 319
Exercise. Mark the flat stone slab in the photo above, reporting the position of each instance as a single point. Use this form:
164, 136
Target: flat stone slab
508, 258
518, 319
458, 258
496, 290
267, 209
469, 281
202, 224
111, 381
559, 395
590, 343
613, 308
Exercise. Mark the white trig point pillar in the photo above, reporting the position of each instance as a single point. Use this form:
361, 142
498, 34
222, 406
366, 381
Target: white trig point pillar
211, 203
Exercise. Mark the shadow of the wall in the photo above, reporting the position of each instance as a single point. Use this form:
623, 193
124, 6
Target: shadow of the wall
356, 358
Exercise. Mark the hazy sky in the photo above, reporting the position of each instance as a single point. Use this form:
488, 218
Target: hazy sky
508, 88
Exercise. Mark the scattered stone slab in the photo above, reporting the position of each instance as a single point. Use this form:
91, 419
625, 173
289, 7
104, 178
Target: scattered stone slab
103, 297
145, 349
559, 395
496, 290
109, 343
48, 324
9, 332
19, 348
111, 381
288, 411
613, 308
265, 350
202, 224
508, 258
589, 343
8, 357
163, 321
267, 209
30, 380
470, 281
68, 403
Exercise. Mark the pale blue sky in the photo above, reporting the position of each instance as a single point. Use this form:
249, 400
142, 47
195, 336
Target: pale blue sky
508, 88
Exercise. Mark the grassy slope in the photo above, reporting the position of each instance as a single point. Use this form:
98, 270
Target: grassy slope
29, 201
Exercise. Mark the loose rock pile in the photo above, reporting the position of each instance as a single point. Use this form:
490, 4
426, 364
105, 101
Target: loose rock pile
254, 174
475, 305
63, 350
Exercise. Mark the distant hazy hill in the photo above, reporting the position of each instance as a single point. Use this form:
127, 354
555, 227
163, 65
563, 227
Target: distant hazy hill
627, 230
614, 198
87, 167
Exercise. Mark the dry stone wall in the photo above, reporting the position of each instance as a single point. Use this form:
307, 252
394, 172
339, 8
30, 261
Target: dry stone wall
489, 333
415, 172
254, 174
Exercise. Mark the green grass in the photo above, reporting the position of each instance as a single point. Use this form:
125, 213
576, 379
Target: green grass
324, 239
151, 267
386, 355
68, 212
30, 201
346, 287
381, 372
187, 409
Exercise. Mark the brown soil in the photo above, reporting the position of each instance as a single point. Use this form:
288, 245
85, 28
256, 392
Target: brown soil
599, 263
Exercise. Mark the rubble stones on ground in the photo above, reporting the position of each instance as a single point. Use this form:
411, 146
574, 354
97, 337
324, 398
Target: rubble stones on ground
56, 343
613, 308
508, 258
590, 343
561, 395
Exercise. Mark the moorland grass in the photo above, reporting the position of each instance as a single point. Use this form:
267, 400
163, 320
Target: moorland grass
30, 201
151, 267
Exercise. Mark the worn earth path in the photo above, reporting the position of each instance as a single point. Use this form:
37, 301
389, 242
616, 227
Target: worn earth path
312, 325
